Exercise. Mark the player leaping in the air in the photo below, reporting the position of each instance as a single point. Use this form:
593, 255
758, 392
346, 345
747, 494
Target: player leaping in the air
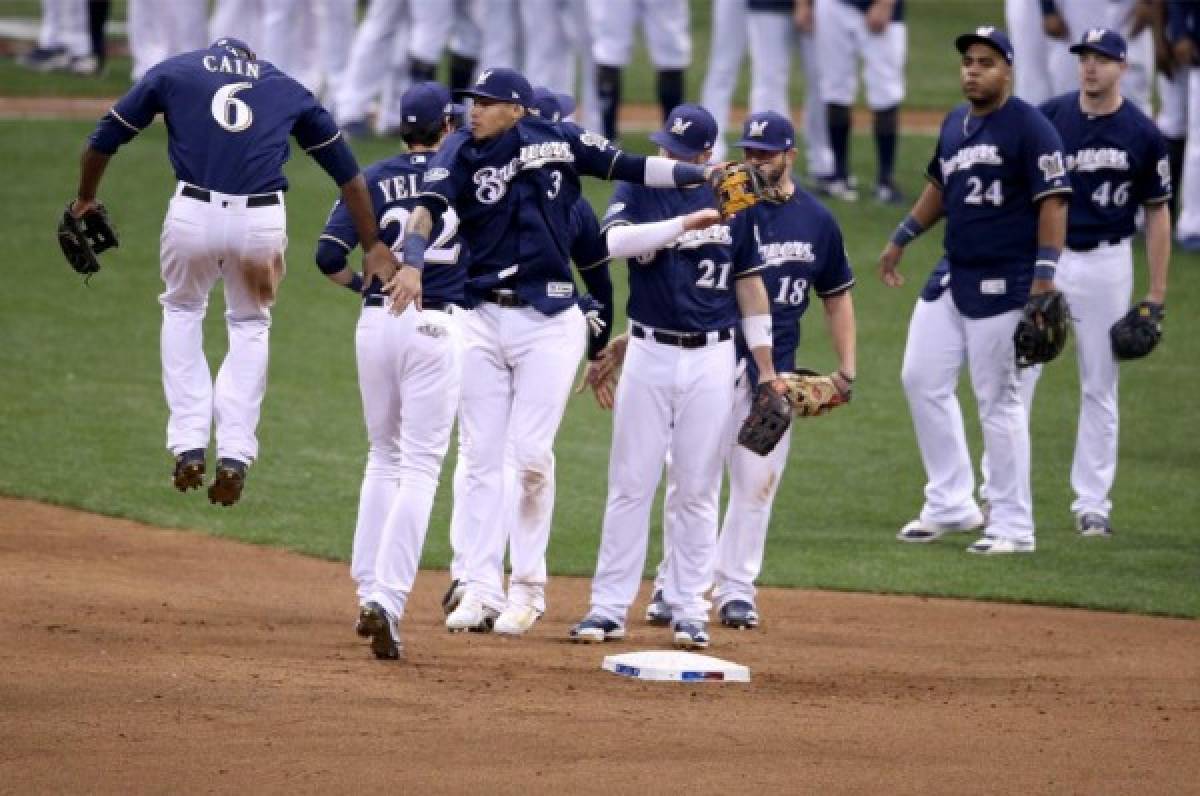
513, 180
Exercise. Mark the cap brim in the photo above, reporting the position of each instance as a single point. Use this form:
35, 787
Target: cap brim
967, 39
1080, 49
474, 94
672, 145
746, 143
566, 104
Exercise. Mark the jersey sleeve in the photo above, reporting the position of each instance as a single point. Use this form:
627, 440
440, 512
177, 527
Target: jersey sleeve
318, 135
747, 259
1045, 167
131, 114
835, 276
594, 154
933, 171
339, 227
588, 247
1153, 183
622, 207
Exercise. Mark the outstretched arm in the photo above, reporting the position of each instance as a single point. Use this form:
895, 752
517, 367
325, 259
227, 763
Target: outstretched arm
926, 212
632, 240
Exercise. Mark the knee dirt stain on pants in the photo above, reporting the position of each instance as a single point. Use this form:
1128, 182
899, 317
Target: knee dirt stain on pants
263, 278
534, 486
764, 494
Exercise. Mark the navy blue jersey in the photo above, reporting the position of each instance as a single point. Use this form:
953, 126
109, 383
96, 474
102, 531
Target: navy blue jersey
1116, 163
802, 251
1183, 20
228, 121
993, 170
865, 5
515, 195
394, 184
688, 285
588, 247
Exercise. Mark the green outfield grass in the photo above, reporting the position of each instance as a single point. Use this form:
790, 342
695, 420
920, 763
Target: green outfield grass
83, 414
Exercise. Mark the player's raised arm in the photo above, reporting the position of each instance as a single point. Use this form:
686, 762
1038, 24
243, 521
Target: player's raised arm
926, 212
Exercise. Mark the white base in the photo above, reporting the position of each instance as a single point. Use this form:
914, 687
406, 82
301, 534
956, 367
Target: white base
670, 665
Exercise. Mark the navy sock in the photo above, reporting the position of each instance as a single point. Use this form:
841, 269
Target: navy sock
608, 91
421, 71
462, 69
885, 143
670, 90
839, 138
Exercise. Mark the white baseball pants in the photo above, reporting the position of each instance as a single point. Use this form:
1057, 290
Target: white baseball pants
842, 40
940, 340
378, 60
1189, 192
243, 246
724, 62
664, 22
65, 24
409, 373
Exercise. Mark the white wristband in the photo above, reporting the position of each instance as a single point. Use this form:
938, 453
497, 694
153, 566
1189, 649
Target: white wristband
757, 331
660, 172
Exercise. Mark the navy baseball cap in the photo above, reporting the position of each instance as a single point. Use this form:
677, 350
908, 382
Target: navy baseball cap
552, 105
1108, 43
688, 131
769, 131
995, 38
427, 103
502, 85
236, 47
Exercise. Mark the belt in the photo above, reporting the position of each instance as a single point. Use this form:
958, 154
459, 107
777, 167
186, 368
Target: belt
1095, 244
254, 200
436, 306
681, 339
505, 298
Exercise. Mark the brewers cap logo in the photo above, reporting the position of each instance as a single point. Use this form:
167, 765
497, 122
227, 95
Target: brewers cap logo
483, 77
1094, 35
679, 126
758, 129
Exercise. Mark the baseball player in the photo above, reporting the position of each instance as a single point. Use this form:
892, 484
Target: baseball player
1117, 162
1183, 29
668, 40
409, 372
230, 117
726, 49
557, 41
514, 181
63, 43
802, 251
158, 31
690, 278
873, 32
998, 177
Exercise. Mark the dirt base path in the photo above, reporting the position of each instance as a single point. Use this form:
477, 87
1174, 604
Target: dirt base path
134, 659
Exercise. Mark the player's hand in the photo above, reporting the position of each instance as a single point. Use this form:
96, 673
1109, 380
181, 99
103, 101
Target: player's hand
80, 207
889, 265
878, 17
601, 373
1055, 26
1041, 286
802, 16
379, 263
701, 219
404, 289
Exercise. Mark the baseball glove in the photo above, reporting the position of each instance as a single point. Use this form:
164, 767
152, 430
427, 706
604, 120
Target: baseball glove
1136, 334
1041, 333
812, 394
740, 185
769, 418
83, 238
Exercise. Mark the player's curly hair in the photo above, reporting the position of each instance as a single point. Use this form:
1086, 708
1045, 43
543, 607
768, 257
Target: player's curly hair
422, 135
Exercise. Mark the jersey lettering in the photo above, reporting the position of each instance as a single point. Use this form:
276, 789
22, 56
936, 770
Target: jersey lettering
1097, 159
970, 156
493, 180
231, 113
786, 251
233, 66
400, 186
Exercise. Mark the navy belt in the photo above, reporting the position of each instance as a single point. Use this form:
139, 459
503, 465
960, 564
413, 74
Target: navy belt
436, 306
1087, 247
505, 298
254, 200
681, 339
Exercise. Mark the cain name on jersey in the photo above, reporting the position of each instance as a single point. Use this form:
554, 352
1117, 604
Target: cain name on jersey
233, 66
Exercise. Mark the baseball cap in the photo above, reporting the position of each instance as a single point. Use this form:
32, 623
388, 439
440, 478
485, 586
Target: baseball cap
426, 103
501, 84
688, 131
552, 105
768, 130
1108, 43
236, 47
995, 38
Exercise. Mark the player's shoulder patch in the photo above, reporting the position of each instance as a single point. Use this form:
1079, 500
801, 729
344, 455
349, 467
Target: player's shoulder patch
436, 174
613, 209
1052, 166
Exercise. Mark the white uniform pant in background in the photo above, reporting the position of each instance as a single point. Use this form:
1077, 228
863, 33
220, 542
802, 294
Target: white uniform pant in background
242, 246
241, 19
1173, 98
842, 41
940, 340
65, 24
772, 35
725, 53
409, 373
1031, 50
664, 24
518, 367
157, 30
378, 62
670, 401
1189, 207
1098, 286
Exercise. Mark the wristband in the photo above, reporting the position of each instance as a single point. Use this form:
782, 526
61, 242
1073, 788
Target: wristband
414, 250
757, 330
355, 285
907, 231
1046, 263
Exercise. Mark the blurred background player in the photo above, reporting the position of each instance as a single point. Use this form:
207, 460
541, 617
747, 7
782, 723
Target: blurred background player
65, 42
409, 372
159, 30
665, 24
873, 33
1183, 25
727, 48
557, 44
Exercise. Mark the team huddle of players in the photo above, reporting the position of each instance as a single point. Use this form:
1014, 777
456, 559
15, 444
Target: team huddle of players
471, 314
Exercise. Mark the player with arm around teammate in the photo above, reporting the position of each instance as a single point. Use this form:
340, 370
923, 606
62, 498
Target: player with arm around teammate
997, 175
409, 372
690, 279
228, 119
513, 180
1117, 162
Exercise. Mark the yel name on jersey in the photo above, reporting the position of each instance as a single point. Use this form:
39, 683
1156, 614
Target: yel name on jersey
965, 158
1098, 159
493, 180
233, 66
401, 186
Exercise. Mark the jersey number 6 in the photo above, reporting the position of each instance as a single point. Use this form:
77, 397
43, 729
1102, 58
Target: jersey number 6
230, 112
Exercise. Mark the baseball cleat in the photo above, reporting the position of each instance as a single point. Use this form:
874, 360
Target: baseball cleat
471, 616
739, 614
690, 635
1093, 524
888, 194
383, 630
227, 486
189, 470
515, 620
360, 624
995, 545
842, 190
921, 531
594, 629
657, 611
453, 596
